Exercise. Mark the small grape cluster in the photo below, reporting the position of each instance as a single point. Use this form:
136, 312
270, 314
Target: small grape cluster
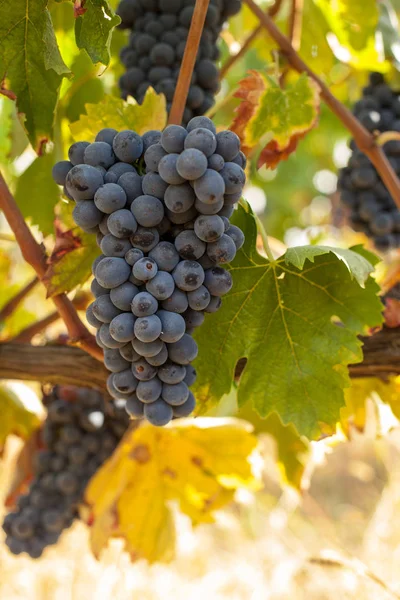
163, 236
153, 57
80, 433
372, 209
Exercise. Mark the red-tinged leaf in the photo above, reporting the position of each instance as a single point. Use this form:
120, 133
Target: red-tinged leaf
392, 312
71, 260
250, 91
79, 8
274, 117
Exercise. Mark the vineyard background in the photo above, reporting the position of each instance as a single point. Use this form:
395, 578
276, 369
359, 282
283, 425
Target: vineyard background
323, 520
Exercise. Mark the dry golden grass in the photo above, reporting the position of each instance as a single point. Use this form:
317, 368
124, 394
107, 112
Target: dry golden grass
331, 543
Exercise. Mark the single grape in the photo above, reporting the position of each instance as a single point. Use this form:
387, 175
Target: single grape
113, 246
185, 409
147, 349
143, 371
133, 255
122, 327
116, 171
145, 269
122, 223
149, 391
99, 154
223, 250
147, 329
228, 145
112, 272
145, 238
189, 246
113, 360
179, 198
234, 178
123, 295
61, 170
201, 139
103, 309
125, 382
210, 209
209, 228
177, 302
144, 305
129, 353
160, 358
216, 162
161, 286
237, 235
76, 152
153, 156
134, 407
167, 168
171, 373
109, 198
203, 122
172, 326
147, 210
175, 394
106, 135
154, 185
165, 255
82, 182
188, 275
191, 164
173, 139
158, 413
150, 138
199, 299
210, 188
218, 281
183, 351
193, 318
190, 376
131, 183
214, 304
128, 146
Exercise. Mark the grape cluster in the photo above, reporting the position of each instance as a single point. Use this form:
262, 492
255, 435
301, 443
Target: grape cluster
163, 236
372, 209
81, 431
153, 57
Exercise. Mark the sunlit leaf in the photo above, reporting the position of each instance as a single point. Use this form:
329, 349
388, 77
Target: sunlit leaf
283, 319
197, 463
37, 194
31, 66
280, 117
114, 112
71, 260
16, 418
95, 21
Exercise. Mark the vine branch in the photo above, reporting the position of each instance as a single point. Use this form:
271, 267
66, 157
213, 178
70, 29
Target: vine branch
72, 366
233, 59
188, 62
35, 255
16, 300
365, 141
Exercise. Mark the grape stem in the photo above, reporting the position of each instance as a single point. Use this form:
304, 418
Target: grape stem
264, 237
295, 23
365, 141
188, 62
35, 255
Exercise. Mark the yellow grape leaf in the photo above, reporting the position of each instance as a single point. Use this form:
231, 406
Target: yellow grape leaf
16, 417
115, 112
279, 117
197, 462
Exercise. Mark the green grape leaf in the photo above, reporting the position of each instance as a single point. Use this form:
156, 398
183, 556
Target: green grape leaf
16, 417
297, 326
71, 261
37, 194
31, 66
354, 25
114, 112
281, 117
95, 21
